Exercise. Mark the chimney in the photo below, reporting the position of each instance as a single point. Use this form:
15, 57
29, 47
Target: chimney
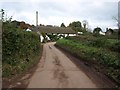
36, 18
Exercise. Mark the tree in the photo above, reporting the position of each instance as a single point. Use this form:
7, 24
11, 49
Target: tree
2, 14
23, 25
62, 25
97, 30
85, 24
44, 37
118, 19
111, 30
76, 25
4, 19
119, 16
118, 22
16, 23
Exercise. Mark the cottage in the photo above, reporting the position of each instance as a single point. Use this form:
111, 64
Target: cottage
51, 30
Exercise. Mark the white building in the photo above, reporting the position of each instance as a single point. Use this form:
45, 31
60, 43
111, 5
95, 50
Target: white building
54, 31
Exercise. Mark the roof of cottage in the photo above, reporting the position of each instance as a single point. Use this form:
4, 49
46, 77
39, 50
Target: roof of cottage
55, 30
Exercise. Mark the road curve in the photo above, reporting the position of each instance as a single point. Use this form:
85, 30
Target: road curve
56, 70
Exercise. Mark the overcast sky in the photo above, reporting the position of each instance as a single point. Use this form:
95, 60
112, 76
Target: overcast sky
54, 12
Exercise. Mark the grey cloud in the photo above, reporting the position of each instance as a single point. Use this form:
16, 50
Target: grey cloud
71, 10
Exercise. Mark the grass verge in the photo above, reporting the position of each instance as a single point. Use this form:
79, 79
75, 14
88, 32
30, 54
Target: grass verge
103, 59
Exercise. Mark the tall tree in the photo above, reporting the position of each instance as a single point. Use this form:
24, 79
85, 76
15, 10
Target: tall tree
23, 25
2, 14
97, 30
3, 18
85, 24
62, 25
76, 25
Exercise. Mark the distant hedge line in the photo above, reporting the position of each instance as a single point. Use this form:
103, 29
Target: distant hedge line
102, 57
21, 49
99, 42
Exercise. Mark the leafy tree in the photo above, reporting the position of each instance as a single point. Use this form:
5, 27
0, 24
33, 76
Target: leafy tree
2, 14
53, 37
97, 30
118, 21
85, 24
44, 37
4, 19
16, 23
33, 26
63, 25
111, 30
23, 25
76, 25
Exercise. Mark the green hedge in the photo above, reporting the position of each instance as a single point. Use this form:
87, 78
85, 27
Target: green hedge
99, 42
21, 49
110, 60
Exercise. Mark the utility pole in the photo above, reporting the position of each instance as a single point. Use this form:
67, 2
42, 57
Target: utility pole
36, 18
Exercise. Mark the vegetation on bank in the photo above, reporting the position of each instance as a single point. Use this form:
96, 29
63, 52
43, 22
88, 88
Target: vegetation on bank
101, 52
105, 42
21, 49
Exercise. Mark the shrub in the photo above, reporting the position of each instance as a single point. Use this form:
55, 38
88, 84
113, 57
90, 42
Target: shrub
110, 60
21, 49
99, 42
